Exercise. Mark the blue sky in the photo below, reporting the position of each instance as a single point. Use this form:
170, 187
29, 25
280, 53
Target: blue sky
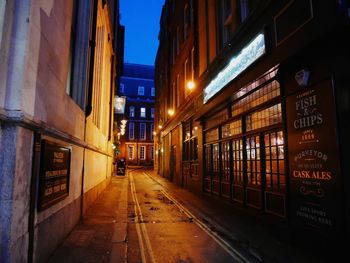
141, 21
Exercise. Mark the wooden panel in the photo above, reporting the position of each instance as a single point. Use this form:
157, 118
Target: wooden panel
275, 203
253, 197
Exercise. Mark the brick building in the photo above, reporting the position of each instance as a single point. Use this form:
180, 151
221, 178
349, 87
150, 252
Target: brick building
264, 128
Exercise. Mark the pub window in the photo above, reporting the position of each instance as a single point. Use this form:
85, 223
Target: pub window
207, 172
216, 119
264, 118
225, 156
258, 97
231, 128
253, 160
274, 155
216, 167
237, 156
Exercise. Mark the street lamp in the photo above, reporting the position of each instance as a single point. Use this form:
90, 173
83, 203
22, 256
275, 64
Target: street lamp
190, 85
171, 112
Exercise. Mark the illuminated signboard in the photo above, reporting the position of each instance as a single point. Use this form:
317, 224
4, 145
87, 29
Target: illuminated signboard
250, 53
119, 104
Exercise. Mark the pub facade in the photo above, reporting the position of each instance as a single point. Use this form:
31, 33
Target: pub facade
265, 128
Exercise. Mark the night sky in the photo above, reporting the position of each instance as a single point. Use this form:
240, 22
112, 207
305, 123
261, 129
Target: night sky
141, 21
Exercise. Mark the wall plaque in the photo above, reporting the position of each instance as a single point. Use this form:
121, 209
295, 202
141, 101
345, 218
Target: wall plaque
54, 174
313, 158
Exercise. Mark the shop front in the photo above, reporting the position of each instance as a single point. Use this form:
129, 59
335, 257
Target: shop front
273, 147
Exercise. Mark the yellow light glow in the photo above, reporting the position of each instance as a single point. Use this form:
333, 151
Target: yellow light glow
171, 112
154, 133
160, 126
191, 85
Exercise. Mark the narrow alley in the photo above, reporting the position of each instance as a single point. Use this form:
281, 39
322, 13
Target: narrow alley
174, 131
142, 217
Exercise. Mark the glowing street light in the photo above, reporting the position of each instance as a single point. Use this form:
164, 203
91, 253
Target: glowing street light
171, 112
191, 85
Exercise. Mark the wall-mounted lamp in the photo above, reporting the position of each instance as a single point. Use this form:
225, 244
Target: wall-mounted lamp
190, 85
171, 112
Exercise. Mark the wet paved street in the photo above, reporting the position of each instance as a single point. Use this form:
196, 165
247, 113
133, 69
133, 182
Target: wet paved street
142, 217
166, 231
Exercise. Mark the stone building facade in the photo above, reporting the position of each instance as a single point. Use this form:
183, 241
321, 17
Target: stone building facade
58, 68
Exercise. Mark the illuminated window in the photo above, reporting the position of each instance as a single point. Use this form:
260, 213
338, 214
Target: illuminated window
225, 157
143, 112
121, 88
152, 112
131, 152
141, 90
231, 128
153, 92
274, 155
258, 97
237, 156
143, 152
253, 160
264, 118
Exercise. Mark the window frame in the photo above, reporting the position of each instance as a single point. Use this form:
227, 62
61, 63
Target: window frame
143, 131
141, 90
143, 114
131, 131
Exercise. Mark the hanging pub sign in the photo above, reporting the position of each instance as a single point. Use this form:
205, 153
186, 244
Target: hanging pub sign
54, 174
313, 158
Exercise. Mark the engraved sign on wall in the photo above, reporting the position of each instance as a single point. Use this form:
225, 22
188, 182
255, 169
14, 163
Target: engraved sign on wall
54, 174
313, 158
